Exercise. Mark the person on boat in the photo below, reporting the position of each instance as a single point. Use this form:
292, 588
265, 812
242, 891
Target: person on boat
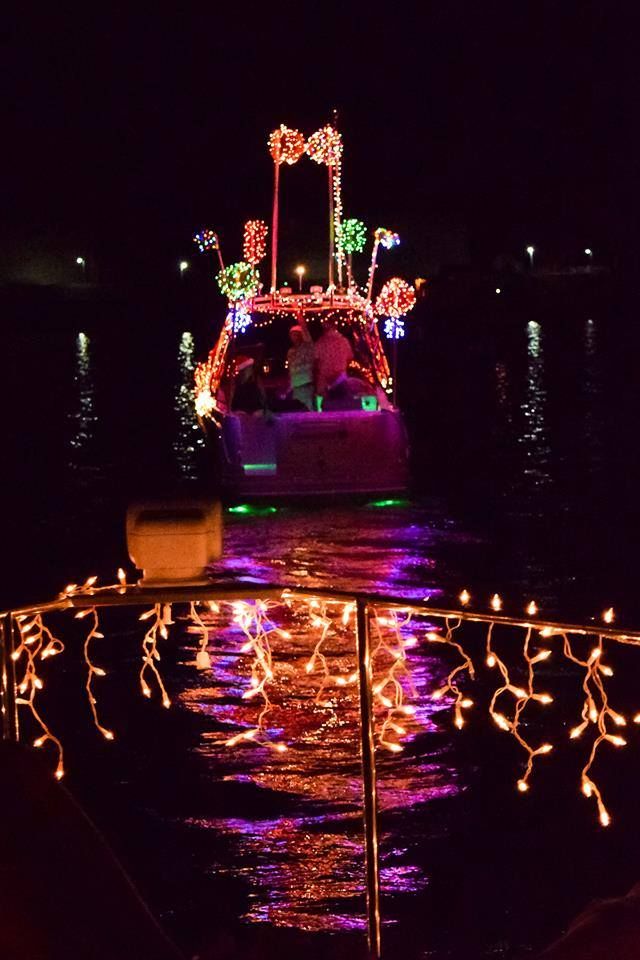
300, 359
248, 395
332, 355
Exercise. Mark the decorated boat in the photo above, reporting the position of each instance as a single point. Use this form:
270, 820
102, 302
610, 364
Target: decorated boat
297, 396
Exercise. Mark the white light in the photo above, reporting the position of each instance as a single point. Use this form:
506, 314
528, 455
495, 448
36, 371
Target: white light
530, 251
588, 251
301, 270
80, 261
498, 290
183, 265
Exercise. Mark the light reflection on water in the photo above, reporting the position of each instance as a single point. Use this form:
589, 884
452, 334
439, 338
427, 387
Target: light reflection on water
534, 437
304, 866
83, 420
189, 436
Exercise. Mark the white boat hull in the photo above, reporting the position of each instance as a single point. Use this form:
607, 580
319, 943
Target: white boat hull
313, 454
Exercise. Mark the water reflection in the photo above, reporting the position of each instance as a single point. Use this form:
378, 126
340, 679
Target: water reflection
189, 436
375, 549
591, 388
83, 419
533, 436
301, 851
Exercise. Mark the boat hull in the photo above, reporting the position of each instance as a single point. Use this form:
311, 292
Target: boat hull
312, 454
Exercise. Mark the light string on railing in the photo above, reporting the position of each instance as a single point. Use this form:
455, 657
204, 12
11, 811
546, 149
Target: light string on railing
161, 614
388, 683
36, 642
256, 626
394, 629
92, 669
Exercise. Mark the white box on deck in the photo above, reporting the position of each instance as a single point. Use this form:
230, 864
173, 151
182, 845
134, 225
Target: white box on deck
172, 541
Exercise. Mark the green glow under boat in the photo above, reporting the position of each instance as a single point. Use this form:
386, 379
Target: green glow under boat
253, 510
259, 467
388, 503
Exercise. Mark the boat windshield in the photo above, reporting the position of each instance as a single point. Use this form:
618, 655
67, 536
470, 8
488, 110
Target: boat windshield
262, 357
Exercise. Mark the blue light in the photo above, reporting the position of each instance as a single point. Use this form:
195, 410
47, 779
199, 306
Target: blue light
241, 319
393, 328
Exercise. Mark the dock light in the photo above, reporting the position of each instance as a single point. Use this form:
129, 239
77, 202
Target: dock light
80, 261
531, 251
300, 271
498, 290
182, 266
588, 251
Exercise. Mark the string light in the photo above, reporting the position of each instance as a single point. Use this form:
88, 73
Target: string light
37, 642
255, 241
393, 329
387, 238
92, 669
396, 298
161, 615
352, 235
391, 679
461, 702
238, 281
241, 318
206, 240
286, 145
325, 146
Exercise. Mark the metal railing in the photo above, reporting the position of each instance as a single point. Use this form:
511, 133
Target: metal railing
364, 604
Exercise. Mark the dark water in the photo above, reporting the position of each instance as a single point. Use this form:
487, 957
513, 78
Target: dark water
525, 482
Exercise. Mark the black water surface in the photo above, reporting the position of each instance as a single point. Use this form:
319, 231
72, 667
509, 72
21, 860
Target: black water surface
525, 482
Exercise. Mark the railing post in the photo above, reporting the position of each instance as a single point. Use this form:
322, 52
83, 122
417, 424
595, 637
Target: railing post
10, 729
368, 779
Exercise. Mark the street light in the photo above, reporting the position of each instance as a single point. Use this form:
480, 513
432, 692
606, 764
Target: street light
182, 266
301, 272
530, 251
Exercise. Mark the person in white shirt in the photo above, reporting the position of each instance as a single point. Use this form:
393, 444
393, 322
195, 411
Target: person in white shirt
332, 355
300, 360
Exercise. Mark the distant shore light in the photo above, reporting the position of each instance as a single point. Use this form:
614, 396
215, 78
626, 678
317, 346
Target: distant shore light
588, 251
183, 265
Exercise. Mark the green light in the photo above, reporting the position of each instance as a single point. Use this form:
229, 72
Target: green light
259, 467
369, 403
388, 503
253, 509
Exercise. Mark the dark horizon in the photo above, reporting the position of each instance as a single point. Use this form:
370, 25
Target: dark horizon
125, 134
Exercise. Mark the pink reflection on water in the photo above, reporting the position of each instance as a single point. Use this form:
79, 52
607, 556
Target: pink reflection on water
305, 867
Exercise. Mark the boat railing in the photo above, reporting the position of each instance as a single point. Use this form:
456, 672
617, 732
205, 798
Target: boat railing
25, 639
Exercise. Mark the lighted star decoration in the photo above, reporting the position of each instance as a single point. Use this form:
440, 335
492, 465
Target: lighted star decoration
241, 318
255, 241
239, 281
396, 299
206, 240
286, 145
386, 238
393, 328
325, 146
353, 235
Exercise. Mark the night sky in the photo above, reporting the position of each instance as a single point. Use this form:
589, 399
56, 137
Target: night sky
125, 131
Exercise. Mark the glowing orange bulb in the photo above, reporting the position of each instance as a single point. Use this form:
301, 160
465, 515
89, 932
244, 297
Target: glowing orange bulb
532, 609
523, 786
608, 615
491, 660
464, 597
496, 602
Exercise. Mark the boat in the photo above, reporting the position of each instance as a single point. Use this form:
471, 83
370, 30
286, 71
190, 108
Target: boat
346, 437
